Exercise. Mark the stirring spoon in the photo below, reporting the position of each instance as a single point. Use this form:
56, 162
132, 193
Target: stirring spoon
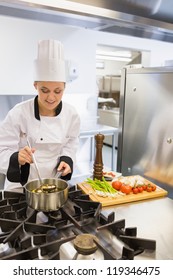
35, 163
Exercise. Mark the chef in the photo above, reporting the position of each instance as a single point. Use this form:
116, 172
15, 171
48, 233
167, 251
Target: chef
51, 125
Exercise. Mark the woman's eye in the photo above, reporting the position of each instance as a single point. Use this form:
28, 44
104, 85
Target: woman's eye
44, 90
57, 92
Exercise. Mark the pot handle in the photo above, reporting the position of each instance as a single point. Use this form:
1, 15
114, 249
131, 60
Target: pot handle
58, 174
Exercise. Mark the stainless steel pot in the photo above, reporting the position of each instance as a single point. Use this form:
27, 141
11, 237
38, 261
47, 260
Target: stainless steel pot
46, 201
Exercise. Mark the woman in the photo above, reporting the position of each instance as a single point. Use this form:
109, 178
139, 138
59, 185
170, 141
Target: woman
50, 125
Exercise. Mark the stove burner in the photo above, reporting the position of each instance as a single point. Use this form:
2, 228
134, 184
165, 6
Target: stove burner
84, 244
5, 249
78, 230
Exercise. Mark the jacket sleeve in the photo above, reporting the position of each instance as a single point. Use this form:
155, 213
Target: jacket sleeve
9, 139
17, 173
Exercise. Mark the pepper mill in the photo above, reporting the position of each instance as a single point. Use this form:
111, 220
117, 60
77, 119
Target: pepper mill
98, 163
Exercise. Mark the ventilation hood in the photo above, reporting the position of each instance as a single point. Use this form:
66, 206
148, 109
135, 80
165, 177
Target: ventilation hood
145, 19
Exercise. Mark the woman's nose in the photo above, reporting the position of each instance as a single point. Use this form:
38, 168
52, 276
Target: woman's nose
51, 95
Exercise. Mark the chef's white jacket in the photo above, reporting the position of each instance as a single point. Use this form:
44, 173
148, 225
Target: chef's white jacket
54, 138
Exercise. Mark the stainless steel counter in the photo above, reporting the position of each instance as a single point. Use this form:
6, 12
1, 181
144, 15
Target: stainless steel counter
154, 220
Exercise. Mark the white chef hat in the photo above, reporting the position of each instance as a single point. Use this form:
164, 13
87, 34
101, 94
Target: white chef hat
50, 63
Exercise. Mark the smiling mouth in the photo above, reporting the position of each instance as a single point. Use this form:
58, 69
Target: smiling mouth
50, 102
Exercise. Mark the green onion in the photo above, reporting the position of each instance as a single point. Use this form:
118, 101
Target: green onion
102, 186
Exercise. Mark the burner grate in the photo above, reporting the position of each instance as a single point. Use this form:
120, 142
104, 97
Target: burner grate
29, 234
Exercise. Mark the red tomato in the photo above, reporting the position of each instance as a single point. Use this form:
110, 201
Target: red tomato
149, 188
140, 189
135, 190
126, 189
117, 185
144, 187
122, 188
153, 188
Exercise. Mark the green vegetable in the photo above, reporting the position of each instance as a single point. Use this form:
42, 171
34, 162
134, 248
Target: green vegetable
99, 185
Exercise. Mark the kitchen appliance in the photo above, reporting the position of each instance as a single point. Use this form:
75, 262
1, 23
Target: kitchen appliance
34, 235
145, 144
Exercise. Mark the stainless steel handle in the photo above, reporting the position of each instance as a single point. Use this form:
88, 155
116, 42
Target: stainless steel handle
58, 174
35, 163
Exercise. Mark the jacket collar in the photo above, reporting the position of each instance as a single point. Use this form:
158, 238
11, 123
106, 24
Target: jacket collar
36, 108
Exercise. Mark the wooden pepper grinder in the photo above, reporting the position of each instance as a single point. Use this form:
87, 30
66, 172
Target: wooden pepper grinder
98, 163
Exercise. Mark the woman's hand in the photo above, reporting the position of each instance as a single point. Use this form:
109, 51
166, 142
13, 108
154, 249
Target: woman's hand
65, 167
25, 155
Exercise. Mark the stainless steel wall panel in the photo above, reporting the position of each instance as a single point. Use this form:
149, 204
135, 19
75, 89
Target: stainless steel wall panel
146, 124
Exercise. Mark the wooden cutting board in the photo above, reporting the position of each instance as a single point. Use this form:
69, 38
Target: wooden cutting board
120, 199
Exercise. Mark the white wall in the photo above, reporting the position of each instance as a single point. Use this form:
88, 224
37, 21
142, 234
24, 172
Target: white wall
18, 43
111, 68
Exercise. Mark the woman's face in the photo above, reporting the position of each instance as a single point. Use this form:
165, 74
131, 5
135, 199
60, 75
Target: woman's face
49, 96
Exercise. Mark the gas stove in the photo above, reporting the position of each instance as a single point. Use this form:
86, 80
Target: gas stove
78, 230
